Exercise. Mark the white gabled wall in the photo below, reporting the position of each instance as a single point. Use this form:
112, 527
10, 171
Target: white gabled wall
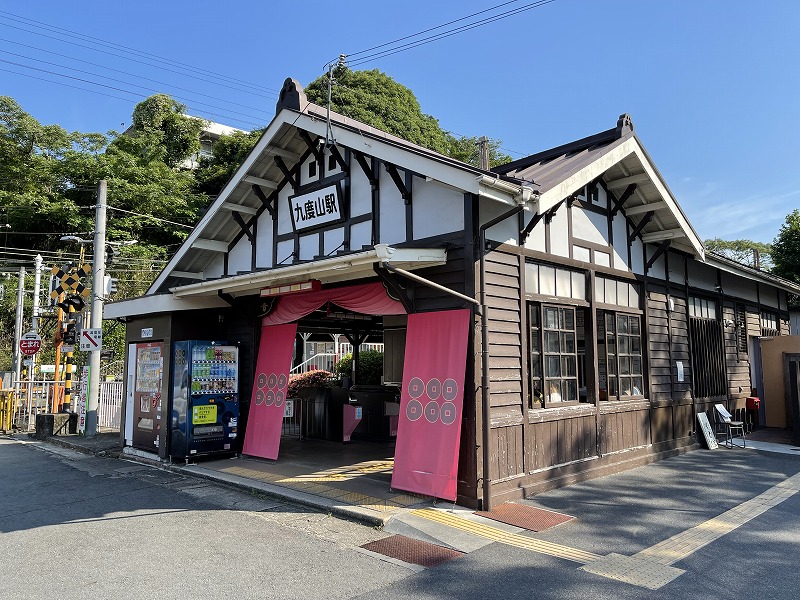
240, 256
620, 252
393, 210
216, 268
437, 209
264, 239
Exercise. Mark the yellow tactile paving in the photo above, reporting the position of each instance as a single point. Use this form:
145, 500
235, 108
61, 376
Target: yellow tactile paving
682, 545
504, 537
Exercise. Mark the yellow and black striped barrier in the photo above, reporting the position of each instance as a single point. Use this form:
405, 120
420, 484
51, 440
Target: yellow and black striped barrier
8, 404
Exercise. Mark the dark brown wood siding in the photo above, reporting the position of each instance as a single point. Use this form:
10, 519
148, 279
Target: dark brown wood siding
737, 363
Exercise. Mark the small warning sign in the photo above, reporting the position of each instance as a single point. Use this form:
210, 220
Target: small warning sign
204, 414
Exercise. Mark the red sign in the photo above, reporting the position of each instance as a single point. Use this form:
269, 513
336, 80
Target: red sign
263, 435
30, 343
431, 402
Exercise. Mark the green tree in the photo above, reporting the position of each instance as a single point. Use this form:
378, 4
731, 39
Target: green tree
228, 153
786, 253
378, 100
746, 252
170, 135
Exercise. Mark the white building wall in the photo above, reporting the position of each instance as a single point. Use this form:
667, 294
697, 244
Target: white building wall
216, 268
360, 191
702, 276
437, 209
393, 211
264, 241
240, 257
506, 231
620, 254
559, 232
284, 218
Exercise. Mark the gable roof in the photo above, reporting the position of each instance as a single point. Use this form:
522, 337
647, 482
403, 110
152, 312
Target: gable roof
217, 231
619, 158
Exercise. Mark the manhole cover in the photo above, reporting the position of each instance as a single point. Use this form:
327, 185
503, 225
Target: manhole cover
412, 551
527, 517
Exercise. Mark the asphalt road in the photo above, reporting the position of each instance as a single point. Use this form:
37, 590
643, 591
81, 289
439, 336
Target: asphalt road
77, 526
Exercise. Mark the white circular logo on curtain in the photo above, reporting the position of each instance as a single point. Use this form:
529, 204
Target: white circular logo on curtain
276, 392
432, 391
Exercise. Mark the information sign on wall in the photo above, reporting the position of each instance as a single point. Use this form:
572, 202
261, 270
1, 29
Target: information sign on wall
316, 208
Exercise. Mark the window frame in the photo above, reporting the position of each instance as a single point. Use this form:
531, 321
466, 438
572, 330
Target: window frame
616, 358
540, 357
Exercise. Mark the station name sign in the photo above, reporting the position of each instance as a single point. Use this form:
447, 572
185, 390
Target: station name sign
316, 208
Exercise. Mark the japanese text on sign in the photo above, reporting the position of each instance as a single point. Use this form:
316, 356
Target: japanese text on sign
315, 208
203, 414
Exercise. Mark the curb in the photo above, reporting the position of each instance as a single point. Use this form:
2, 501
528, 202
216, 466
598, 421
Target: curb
352, 513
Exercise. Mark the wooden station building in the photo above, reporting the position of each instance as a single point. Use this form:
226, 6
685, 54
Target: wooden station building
599, 325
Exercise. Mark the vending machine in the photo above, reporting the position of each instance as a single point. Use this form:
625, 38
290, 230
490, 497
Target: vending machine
204, 403
147, 372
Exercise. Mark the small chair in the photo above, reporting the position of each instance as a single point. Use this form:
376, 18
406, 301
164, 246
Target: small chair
724, 419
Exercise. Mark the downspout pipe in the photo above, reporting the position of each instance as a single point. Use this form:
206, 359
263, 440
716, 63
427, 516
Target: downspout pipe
487, 483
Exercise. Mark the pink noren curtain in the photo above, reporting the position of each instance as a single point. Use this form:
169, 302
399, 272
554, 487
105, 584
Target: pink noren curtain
366, 298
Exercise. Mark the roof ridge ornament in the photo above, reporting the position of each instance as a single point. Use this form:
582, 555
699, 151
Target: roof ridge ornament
292, 96
624, 125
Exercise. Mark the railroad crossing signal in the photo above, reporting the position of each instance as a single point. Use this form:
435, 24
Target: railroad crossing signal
70, 281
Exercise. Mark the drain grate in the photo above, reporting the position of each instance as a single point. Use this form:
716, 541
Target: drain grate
412, 551
527, 517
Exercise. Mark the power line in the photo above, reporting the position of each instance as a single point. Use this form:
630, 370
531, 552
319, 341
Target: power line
80, 60
407, 37
24, 66
151, 57
149, 217
447, 33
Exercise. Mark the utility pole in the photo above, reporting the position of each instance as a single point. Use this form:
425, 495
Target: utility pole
98, 275
18, 329
483, 152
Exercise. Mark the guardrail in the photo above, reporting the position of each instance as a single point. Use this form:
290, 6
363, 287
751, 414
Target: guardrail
39, 397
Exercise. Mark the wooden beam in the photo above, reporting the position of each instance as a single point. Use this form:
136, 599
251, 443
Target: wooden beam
667, 234
340, 159
188, 275
402, 291
645, 220
626, 181
213, 245
523, 235
548, 216
288, 155
643, 208
312, 145
362, 162
623, 199
245, 227
267, 202
272, 185
398, 181
241, 208
662, 247
286, 172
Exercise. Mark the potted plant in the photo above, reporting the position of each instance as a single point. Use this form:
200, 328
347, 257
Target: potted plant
302, 384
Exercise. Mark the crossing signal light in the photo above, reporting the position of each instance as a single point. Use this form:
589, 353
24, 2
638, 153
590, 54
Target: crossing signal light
70, 334
110, 285
75, 302
110, 253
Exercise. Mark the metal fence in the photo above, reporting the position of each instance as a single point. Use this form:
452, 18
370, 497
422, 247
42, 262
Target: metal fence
39, 397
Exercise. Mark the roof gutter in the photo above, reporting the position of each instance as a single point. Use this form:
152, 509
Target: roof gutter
522, 194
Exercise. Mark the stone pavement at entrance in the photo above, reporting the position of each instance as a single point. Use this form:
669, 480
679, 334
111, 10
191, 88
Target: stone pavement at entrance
638, 527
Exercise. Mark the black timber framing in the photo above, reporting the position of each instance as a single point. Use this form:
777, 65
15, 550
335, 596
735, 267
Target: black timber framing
405, 192
313, 146
245, 226
400, 290
618, 204
269, 202
409, 183
291, 174
662, 247
641, 225
343, 163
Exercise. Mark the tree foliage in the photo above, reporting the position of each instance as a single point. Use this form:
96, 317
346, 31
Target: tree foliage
378, 100
228, 153
786, 252
746, 252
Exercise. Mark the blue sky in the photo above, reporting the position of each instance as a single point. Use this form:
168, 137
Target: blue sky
711, 85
